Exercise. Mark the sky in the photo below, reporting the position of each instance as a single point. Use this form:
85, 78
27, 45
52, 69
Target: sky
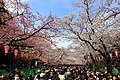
58, 8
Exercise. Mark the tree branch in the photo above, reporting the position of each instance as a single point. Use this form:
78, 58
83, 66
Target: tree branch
88, 15
13, 40
112, 15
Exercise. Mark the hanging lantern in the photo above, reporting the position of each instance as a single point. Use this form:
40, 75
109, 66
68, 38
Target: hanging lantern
6, 49
15, 52
27, 56
116, 53
97, 58
21, 54
89, 60
30, 55
110, 55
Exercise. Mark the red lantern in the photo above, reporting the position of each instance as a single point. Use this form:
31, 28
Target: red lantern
97, 58
90, 60
30, 55
27, 56
116, 53
6, 49
15, 52
21, 54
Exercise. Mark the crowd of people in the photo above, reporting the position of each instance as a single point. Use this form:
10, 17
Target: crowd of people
62, 73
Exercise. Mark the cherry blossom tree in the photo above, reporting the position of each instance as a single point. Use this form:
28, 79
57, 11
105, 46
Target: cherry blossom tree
21, 28
95, 26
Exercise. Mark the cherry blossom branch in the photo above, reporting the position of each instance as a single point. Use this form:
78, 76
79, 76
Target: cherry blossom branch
14, 40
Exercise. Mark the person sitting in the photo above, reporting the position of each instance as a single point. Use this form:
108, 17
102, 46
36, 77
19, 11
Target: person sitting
2, 77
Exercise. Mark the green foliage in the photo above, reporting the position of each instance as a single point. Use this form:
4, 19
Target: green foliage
6, 74
27, 72
115, 72
2, 71
103, 70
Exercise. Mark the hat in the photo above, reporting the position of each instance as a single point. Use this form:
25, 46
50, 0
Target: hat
38, 71
42, 74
